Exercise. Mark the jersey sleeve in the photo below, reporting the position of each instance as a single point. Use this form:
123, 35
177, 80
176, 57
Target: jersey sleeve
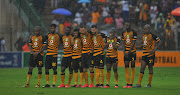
156, 38
122, 35
134, 36
30, 41
43, 41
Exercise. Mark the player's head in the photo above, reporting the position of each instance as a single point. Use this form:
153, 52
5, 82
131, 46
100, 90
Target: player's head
83, 29
53, 28
147, 28
76, 33
67, 30
112, 33
127, 25
94, 29
37, 30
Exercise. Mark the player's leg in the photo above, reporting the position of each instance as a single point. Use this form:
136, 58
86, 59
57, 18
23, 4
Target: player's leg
31, 65
39, 65
75, 68
132, 70
108, 74
101, 67
91, 69
126, 62
97, 73
150, 67
48, 65
81, 74
63, 68
85, 65
141, 74
70, 71
54, 66
115, 64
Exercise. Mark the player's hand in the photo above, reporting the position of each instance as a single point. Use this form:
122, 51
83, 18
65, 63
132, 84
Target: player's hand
126, 55
151, 52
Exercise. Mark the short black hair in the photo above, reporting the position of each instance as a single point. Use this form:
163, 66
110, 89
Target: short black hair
94, 26
113, 30
68, 27
53, 25
82, 26
76, 30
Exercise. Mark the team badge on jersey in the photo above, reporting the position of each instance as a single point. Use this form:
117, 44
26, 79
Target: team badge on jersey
95, 41
145, 41
66, 43
75, 45
128, 40
84, 40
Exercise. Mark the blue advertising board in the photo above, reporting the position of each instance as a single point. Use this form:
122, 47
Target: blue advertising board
12, 59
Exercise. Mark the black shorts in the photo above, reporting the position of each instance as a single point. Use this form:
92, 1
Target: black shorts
131, 57
66, 62
86, 60
76, 63
51, 62
36, 62
149, 60
111, 60
98, 60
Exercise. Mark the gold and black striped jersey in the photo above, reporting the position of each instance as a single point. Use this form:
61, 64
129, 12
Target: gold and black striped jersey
77, 48
98, 45
111, 51
87, 42
128, 38
149, 43
37, 42
66, 40
53, 41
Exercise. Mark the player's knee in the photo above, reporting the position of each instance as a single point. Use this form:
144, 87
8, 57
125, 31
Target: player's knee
63, 69
132, 64
115, 69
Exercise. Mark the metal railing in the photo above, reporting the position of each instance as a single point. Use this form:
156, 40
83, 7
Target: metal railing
29, 15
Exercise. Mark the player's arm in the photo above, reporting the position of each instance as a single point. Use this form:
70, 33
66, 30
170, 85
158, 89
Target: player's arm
30, 45
158, 43
106, 44
133, 42
123, 42
44, 45
116, 45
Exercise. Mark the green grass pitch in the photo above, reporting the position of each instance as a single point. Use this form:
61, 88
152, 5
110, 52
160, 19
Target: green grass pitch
166, 81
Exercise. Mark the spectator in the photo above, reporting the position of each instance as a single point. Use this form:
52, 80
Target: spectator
153, 13
143, 13
109, 20
105, 11
119, 24
67, 23
95, 17
169, 42
53, 3
169, 21
3, 45
125, 10
19, 43
78, 18
61, 28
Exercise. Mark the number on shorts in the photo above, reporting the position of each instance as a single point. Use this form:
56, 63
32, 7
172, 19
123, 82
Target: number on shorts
133, 59
40, 63
54, 64
150, 61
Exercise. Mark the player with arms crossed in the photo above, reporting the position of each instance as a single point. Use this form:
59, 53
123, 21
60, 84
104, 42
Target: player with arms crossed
86, 57
149, 48
53, 41
76, 57
129, 37
112, 44
67, 57
98, 55
37, 45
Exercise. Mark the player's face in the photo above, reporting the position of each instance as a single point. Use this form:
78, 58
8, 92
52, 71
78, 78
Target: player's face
37, 32
112, 34
127, 26
93, 30
146, 30
67, 30
53, 29
75, 34
83, 30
